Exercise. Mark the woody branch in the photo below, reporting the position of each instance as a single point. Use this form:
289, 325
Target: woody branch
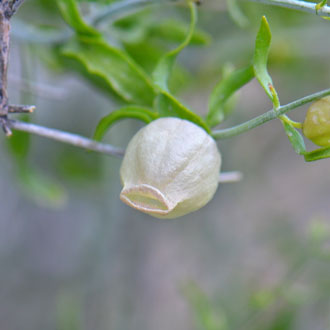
7, 10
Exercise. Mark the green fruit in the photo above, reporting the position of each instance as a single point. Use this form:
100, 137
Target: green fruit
316, 126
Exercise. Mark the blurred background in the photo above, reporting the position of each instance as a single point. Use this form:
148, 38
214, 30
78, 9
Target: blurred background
73, 257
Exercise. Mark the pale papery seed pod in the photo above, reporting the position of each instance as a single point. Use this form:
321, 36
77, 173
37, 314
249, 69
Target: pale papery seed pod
171, 167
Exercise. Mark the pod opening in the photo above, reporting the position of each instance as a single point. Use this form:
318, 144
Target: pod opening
147, 199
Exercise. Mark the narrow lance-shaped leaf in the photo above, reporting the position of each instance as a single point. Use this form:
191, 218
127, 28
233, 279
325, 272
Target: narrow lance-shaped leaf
136, 112
317, 154
70, 12
223, 91
114, 67
295, 138
168, 106
164, 67
260, 58
320, 5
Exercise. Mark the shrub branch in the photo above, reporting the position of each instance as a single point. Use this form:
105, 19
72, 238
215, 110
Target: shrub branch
69, 138
7, 10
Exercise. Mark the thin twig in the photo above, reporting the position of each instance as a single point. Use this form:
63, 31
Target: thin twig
21, 108
305, 6
69, 138
15, 5
267, 116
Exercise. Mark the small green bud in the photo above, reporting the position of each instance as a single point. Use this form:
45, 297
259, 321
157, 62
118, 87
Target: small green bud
316, 126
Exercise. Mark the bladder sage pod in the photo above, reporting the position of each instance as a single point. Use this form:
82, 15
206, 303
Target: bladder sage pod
316, 126
170, 168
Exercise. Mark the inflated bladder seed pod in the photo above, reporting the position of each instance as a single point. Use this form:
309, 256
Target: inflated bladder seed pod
171, 167
316, 126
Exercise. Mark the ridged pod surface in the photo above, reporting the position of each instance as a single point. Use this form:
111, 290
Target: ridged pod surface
171, 167
316, 126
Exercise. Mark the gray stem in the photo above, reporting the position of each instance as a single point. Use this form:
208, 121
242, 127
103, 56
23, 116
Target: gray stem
267, 116
305, 6
69, 138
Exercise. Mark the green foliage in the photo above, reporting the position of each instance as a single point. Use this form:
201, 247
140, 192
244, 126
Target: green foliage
144, 114
260, 57
146, 37
320, 5
168, 106
70, 12
171, 30
223, 91
164, 67
142, 26
295, 138
117, 71
317, 154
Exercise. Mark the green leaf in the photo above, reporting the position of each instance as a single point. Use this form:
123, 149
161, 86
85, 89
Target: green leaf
136, 112
320, 5
168, 106
295, 138
317, 154
260, 58
144, 27
236, 14
223, 91
175, 31
114, 67
70, 12
164, 67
